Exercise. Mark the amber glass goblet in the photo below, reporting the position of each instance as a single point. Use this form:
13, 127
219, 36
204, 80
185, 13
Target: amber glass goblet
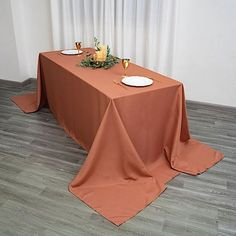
125, 64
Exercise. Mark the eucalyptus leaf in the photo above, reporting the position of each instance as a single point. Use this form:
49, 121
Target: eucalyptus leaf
108, 63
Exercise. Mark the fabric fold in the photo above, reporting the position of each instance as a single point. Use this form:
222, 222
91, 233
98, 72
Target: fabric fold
32, 102
113, 180
184, 153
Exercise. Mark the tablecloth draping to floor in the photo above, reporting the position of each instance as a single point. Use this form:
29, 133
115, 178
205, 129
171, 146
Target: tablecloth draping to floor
137, 138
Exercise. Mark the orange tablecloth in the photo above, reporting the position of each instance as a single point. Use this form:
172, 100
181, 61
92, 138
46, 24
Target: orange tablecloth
137, 138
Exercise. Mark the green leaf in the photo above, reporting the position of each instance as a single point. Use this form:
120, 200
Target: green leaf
108, 63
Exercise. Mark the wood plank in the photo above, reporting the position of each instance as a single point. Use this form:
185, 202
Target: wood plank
38, 160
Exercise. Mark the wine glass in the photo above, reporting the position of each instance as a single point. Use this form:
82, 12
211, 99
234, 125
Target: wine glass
78, 46
125, 64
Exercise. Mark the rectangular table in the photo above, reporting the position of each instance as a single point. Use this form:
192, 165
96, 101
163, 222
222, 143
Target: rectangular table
137, 138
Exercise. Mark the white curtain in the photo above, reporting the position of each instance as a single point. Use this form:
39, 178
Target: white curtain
142, 30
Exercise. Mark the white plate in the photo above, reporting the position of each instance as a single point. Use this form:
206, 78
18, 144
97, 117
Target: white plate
71, 52
137, 81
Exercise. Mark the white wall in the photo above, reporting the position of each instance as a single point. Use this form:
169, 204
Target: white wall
9, 68
205, 50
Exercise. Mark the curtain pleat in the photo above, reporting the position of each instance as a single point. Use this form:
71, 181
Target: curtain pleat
138, 29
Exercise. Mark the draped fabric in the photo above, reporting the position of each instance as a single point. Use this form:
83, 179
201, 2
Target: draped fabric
137, 138
138, 29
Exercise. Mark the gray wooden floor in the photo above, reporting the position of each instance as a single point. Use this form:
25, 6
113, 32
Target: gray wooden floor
38, 160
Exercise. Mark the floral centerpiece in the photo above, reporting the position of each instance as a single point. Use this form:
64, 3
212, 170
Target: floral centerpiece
102, 57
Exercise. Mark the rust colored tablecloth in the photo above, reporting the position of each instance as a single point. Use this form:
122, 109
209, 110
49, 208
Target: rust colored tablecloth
138, 138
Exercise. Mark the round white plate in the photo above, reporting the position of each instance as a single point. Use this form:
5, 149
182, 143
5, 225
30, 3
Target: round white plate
137, 81
71, 52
